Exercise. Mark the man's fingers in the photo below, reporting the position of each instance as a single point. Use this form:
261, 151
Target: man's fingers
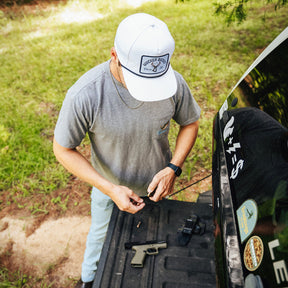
136, 203
127, 200
156, 195
161, 185
153, 186
135, 198
135, 206
151, 194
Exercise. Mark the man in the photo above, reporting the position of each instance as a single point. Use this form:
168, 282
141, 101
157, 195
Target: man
125, 105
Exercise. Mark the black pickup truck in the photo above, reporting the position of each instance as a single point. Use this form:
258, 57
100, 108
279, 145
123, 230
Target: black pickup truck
250, 175
237, 234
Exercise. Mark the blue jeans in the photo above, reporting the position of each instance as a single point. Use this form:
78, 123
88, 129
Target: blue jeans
101, 209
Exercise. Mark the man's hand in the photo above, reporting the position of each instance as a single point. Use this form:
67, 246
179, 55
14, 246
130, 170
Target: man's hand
163, 182
126, 200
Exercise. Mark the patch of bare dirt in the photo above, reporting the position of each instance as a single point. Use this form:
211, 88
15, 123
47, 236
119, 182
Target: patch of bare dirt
49, 245
53, 253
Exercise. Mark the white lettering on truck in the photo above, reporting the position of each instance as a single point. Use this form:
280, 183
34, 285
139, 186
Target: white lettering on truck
280, 268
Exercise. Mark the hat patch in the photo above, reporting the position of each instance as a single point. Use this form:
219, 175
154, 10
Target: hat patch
154, 65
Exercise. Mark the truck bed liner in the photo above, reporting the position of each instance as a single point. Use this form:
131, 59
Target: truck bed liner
175, 267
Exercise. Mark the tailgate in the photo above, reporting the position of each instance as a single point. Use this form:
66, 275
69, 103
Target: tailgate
192, 265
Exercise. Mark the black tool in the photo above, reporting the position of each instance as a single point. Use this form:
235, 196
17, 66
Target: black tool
191, 226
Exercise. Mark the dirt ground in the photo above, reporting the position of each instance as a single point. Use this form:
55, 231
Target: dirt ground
49, 248
54, 251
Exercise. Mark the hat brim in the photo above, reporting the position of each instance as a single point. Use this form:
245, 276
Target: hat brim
151, 89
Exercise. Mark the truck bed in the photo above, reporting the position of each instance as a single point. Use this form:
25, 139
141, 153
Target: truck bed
176, 266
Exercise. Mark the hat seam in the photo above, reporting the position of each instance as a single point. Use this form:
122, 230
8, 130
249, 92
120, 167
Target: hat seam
132, 45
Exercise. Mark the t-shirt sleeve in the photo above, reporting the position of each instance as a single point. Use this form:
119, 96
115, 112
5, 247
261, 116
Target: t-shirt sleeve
187, 110
72, 125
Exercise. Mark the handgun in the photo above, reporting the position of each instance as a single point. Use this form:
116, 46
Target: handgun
143, 248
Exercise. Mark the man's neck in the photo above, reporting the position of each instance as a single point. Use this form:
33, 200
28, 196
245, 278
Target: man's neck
117, 72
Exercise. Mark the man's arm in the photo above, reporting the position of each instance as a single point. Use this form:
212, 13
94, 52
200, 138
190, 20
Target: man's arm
77, 164
164, 180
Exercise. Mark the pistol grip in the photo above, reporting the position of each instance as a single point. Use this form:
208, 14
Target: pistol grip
138, 259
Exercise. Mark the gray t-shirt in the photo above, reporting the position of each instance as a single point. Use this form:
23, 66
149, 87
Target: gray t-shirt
129, 138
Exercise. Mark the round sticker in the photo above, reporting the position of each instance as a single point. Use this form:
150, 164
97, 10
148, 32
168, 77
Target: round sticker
253, 253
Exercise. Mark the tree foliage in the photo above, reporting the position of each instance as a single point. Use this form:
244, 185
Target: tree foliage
236, 10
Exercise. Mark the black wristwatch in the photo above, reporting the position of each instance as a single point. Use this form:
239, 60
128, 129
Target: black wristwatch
176, 169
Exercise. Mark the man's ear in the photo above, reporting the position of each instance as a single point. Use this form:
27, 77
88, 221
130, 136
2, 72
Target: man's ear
113, 55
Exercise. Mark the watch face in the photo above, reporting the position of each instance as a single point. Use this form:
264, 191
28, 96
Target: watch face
178, 171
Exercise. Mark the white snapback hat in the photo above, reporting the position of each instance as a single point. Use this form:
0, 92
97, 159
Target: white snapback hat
144, 47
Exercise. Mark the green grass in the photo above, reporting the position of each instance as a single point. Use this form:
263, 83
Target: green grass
19, 280
42, 56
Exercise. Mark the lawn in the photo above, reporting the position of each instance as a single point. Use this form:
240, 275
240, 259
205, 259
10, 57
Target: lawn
45, 49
